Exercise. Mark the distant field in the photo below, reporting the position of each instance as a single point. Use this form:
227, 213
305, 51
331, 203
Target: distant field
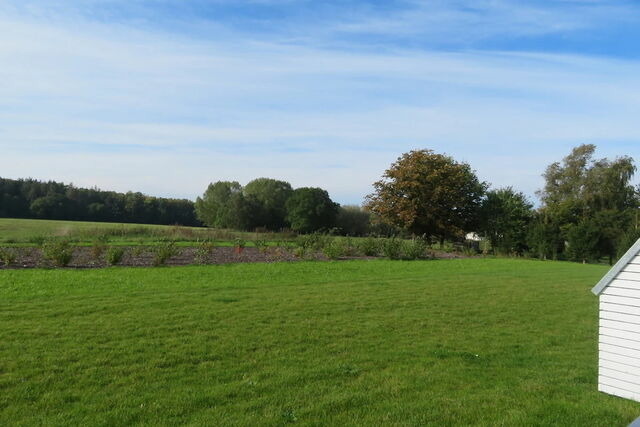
22, 229
29, 231
456, 342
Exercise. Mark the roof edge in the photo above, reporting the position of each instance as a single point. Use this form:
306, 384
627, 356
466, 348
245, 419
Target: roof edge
617, 268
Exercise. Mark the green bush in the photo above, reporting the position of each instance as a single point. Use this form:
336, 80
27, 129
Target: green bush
447, 247
163, 252
114, 255
7, 256
99, 245
204, 251
261, 245
313, 242
335, 249
59, 252
415, 248
136, 251
350, 247
369, 246
469, 251
38, 240
392, 248
300, 252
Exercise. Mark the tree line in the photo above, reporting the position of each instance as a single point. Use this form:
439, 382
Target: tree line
588, 207
267, 204
29, 198
588, 210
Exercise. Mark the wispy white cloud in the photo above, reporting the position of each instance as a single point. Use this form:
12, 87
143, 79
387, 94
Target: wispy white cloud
99, 103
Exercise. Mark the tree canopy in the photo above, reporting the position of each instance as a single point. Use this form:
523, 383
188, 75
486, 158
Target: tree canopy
353, 220
266, 203
270, 196
505, 215
311, 209
223, 206
587, 203
428, 193
29, 198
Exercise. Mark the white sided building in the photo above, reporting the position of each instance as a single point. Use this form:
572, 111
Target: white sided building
619, 337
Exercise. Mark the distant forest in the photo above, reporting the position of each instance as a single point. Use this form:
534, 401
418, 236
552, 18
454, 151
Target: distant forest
29, 198
589, 207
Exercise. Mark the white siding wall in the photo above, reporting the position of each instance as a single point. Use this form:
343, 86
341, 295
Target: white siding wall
619, 348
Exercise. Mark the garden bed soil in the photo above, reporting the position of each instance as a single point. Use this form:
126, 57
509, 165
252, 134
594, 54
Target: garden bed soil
144, 256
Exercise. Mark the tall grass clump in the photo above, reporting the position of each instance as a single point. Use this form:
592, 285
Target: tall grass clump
340, 247
392, 248
350, 246
415, 248
204, 251
447, 247
137, 251
261, 245
114, 255
59, 252
334, 249
164, 251
309, 244
369, 246
99, 245
7, 256
313, 242
38, 240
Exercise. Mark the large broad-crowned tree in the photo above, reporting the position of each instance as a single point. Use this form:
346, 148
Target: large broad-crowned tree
592, 201
505, 217
224, 206
271, 196
428, 193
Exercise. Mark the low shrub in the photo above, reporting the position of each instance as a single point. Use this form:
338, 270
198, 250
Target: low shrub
313, 242
204, 251
239, 243
163, 252
38, 240
7, 256
392, 248
447, 247
99, 245
350, 247
137, 251
300, 252
261, 245
415, 248
369, 246
114, 255
335, 249
469, 251
59, 252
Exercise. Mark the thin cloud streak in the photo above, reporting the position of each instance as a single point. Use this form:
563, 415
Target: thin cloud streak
103, 104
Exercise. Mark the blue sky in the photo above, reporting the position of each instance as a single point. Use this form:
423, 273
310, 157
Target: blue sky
166, 96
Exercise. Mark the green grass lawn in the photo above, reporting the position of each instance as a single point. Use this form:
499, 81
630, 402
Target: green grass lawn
456, 342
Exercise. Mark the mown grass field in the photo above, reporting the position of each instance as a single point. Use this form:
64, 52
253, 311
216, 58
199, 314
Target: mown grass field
456, 342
